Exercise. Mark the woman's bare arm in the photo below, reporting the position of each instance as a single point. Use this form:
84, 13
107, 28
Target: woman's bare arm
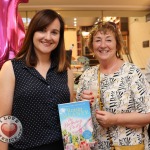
7, 84
71, 84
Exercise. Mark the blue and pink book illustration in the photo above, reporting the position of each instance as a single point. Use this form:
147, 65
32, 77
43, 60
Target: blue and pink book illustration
76, 124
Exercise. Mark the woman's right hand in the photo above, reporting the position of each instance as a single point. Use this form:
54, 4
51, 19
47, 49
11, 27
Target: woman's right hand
87, 95
84, 146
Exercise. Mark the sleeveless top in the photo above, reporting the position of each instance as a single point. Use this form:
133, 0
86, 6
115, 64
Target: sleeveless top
35, 104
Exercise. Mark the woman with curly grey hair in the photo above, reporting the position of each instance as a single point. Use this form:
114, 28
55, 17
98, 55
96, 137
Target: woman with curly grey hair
121, 109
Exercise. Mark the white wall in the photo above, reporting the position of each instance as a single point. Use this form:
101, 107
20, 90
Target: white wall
71, 38
139, 31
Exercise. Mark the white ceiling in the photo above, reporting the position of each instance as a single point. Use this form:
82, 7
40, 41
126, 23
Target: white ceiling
86, 11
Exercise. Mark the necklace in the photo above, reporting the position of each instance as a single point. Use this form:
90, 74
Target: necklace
111, 69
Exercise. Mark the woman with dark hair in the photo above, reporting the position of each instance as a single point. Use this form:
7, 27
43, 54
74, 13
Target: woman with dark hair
121, 108
35, 82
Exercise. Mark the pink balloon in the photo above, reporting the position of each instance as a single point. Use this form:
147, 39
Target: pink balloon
11, 29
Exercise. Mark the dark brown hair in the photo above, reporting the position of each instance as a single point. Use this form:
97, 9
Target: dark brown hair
106, 27
40, 21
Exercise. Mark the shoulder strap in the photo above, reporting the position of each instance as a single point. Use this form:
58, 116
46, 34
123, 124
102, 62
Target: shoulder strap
100, 102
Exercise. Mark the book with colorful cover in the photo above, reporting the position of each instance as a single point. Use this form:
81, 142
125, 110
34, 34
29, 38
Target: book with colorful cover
76, 124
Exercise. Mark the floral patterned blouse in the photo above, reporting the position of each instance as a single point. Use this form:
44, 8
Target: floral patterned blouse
124, 91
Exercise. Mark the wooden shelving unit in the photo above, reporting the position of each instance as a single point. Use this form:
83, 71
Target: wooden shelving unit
79, 43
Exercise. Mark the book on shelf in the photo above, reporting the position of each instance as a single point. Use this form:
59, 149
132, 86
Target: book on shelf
76, 124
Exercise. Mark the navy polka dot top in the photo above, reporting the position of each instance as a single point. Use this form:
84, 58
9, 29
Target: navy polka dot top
35, 104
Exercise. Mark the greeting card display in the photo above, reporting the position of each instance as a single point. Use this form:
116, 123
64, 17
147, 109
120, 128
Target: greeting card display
76, 124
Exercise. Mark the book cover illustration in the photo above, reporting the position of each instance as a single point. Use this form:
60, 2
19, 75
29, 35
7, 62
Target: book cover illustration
76, 124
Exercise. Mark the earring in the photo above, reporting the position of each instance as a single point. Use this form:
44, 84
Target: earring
93, 55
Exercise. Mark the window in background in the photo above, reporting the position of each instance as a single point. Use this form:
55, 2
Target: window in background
26, 17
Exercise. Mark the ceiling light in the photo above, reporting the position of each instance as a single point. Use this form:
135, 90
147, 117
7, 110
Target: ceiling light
84, 33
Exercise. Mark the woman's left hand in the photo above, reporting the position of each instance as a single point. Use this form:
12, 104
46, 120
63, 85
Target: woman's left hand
105, 119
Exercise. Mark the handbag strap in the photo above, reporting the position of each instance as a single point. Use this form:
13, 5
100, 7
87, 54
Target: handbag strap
101, 103
99, 99
101, 108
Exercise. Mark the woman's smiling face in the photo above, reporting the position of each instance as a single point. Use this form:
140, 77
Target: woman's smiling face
104, 45
46, 41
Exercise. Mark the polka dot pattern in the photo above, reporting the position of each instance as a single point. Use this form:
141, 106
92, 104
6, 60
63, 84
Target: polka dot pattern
36, 104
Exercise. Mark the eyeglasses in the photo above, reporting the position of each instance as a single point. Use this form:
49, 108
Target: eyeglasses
107, 25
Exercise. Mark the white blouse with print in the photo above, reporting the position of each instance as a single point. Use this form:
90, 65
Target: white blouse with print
124, 91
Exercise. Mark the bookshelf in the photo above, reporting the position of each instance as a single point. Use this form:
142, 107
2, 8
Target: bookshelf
79, 43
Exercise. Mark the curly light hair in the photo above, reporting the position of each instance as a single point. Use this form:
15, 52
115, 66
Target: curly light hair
106, 27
